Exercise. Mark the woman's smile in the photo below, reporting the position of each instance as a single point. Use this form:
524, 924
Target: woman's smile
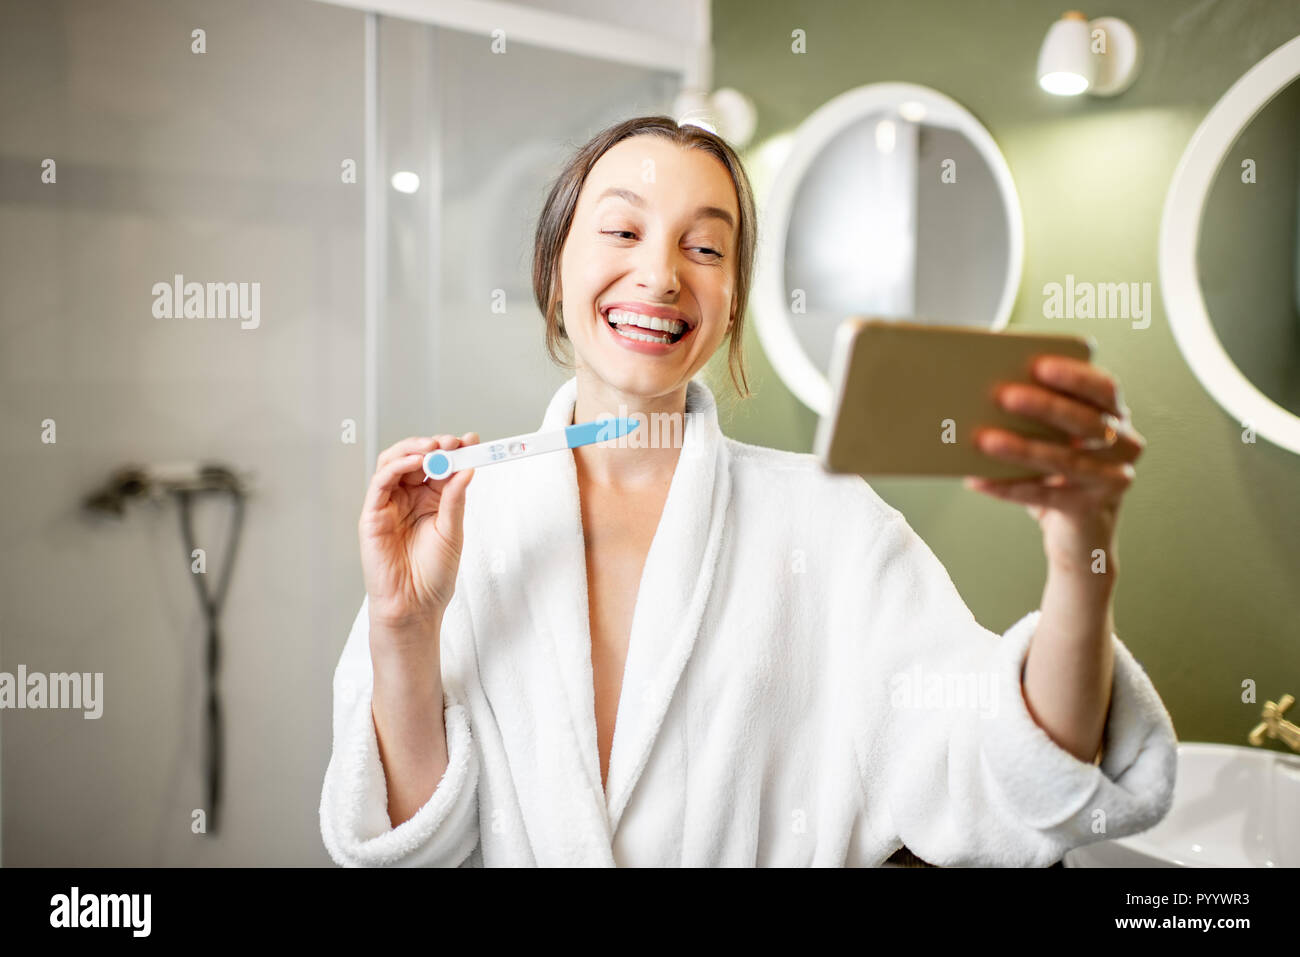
646, 334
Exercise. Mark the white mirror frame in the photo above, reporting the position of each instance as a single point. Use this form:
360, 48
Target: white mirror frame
771, 306
1180, 231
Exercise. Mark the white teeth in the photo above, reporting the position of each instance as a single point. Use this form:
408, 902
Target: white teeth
621, 318
629, 334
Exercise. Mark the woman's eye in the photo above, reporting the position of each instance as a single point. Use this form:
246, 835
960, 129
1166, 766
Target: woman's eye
631, 235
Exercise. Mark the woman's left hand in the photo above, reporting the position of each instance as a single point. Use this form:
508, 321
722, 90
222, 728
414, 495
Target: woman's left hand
1076, 499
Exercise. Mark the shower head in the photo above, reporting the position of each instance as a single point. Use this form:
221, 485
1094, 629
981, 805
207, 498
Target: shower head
156, 481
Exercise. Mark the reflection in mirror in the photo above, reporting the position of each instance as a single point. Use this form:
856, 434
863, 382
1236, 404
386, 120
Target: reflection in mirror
1248, 254
893, 201
895, 219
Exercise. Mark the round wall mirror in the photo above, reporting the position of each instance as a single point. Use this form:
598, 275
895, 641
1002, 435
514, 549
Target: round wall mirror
1230, 250
894, 202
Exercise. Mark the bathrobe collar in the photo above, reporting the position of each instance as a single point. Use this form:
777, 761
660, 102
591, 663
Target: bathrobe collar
674, 589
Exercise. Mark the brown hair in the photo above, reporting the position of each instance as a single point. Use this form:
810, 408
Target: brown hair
557, 217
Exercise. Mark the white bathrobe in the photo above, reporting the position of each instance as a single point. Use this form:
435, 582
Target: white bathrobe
793, 692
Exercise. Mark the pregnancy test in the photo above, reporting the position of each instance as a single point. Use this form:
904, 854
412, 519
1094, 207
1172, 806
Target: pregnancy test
438, 465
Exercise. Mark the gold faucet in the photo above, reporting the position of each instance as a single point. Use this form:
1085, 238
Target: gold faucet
1275, 726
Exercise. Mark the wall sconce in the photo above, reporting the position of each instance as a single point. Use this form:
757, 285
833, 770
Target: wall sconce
727, 112
1094, 56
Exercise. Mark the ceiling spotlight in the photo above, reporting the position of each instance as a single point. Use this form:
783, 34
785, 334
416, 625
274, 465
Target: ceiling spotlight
727, 112
404, 181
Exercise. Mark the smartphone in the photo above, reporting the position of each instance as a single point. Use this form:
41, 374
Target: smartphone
907, 398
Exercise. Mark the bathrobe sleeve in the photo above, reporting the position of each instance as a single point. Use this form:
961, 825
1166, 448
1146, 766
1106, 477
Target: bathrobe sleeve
974, 780
354, 818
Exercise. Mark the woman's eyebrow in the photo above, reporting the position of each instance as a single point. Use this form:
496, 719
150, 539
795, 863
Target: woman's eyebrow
706, 212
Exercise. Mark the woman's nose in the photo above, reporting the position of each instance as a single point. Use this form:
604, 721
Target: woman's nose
657, 270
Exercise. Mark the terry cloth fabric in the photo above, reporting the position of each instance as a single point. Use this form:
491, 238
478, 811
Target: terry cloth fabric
803, 686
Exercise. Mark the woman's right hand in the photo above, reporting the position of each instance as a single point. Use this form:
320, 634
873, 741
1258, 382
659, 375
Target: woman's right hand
411, 535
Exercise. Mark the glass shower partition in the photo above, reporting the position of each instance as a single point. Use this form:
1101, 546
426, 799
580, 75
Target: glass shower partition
378, 179
484, 123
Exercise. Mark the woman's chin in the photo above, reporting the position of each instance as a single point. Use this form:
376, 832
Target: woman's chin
634, 381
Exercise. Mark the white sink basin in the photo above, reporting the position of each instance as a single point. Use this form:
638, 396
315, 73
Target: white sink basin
1233, 807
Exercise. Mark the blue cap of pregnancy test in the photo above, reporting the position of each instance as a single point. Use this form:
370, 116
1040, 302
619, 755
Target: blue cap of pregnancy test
437, 465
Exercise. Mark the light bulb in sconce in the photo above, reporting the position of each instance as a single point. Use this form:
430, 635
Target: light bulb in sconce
1094, 56
727, 112
691, 108
736, 114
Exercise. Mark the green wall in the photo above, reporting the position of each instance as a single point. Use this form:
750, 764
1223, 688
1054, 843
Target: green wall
1209, 541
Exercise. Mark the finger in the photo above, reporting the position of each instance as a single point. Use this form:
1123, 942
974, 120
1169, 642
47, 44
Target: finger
1081, 379
387, 479
1055, 480
1034, 494
1076, 418
983, 484
1127, 447
1047, 457
405, 447
451, 508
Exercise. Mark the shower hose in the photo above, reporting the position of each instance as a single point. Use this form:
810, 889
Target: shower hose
211, 605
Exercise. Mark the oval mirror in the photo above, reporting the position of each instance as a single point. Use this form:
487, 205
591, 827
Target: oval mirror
894, 201
1230, 250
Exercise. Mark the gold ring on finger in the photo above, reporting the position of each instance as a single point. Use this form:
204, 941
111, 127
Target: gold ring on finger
1110, 437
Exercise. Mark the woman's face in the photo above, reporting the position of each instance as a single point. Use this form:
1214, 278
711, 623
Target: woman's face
653, 241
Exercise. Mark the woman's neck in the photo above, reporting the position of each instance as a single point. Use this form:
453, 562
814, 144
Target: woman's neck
636, 462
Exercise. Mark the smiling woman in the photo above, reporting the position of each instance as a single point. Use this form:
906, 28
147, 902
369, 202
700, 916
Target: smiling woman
627, 192
688, 653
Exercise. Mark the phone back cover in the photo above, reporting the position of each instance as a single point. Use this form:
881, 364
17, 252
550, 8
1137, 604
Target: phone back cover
909, 386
